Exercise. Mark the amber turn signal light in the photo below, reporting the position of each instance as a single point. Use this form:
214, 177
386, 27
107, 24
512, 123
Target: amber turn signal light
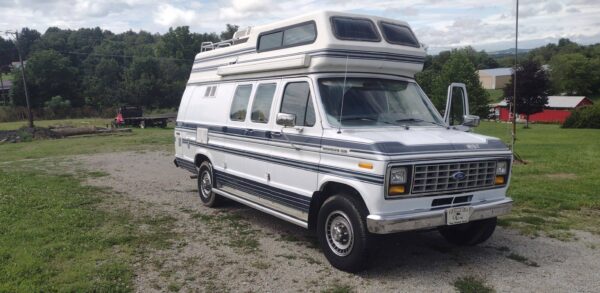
499, 180
365, 165
396, 189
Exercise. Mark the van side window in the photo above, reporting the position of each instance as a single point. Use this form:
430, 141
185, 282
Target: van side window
297, 100
296, 35
398, 34
261, 106
354, 29
239, 105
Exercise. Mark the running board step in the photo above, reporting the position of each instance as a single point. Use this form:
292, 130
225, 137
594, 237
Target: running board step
261, 208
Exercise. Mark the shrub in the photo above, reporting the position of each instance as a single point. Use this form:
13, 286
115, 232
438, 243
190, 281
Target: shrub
584, 117
57, 107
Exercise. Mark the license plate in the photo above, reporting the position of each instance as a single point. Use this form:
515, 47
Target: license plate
458, 215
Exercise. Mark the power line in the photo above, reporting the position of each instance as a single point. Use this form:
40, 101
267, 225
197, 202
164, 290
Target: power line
122, 56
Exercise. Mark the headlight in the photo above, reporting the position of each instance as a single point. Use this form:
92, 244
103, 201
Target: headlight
398, 176
501, 168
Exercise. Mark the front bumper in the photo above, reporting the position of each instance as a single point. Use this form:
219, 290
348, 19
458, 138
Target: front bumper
392, 223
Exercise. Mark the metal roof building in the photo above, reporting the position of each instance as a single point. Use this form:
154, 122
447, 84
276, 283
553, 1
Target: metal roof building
558, 109
495, 78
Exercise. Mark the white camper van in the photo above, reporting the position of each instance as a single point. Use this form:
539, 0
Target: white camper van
318, 121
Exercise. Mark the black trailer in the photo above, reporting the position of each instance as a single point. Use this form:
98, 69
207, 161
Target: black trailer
134, 116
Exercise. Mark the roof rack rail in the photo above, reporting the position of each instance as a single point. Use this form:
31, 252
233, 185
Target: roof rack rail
241, 36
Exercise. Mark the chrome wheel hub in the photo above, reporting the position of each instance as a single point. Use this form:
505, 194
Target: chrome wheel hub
340, 236
206, 185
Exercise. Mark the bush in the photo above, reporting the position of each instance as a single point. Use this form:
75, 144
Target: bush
584, 117
57, 107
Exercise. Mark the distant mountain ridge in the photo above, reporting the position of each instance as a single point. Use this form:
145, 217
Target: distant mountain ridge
507, 52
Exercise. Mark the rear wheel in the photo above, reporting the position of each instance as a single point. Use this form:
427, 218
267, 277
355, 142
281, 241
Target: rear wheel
342, 233
471, 233
205, 185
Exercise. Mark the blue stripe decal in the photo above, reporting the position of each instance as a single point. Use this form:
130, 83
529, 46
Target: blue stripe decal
388, 148
365, 177
334, 53
261, 190
187, 165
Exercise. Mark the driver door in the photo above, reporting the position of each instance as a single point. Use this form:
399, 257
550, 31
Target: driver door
457, 108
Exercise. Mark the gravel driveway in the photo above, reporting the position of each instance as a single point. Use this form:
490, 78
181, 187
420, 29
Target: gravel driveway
235, 248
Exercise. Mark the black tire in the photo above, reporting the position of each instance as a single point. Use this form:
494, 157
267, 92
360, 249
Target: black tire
205, 185
346, 252
471, 233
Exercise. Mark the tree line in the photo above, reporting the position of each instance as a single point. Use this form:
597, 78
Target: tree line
564, 68
98, 68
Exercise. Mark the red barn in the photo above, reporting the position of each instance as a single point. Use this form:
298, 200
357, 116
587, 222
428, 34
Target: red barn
557, 110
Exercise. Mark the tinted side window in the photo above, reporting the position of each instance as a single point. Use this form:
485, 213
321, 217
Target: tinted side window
357, 29
300, 34
297, 100
398, 34
270, 41
239, 105
287, 37
261, 107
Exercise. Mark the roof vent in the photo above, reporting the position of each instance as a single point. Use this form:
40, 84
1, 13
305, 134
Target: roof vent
242, 34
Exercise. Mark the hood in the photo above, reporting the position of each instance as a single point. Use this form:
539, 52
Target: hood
397, 140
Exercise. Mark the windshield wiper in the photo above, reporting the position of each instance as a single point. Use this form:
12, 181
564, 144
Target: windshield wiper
419, 120
358, 118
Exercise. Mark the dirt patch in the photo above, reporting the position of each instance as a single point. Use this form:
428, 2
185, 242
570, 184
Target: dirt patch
238, 249
562, 176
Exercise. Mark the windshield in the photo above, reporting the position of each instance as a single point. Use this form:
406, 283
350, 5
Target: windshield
375, 102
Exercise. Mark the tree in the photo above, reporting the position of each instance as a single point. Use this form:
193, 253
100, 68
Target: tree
48, 74
575, 74
103, 87
58, 106
7, 53
457, 68
177, 43
27, 38
230, 29
533, 87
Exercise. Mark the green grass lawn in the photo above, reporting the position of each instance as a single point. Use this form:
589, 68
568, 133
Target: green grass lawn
54, 235
496, 95
137, 140
559, 187
62, 122
7, 76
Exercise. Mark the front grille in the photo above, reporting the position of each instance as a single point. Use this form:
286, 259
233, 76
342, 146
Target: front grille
438, 178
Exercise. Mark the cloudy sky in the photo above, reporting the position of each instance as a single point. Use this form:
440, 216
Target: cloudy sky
440, 24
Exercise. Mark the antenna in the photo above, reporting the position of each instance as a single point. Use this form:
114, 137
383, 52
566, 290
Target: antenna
514, 104
343, 95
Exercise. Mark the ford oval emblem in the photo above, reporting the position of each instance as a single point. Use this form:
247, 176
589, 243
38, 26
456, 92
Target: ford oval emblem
459, 176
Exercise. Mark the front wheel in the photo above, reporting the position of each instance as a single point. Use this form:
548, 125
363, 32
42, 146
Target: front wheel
471, 233
342, 233
205, 186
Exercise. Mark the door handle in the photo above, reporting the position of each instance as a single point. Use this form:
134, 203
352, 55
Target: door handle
278, 134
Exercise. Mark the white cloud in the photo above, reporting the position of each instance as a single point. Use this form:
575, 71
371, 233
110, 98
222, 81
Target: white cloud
169, 15
441, 24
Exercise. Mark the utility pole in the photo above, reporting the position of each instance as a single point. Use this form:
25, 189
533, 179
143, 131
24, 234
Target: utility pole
2, 86
29, 114
514, 104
